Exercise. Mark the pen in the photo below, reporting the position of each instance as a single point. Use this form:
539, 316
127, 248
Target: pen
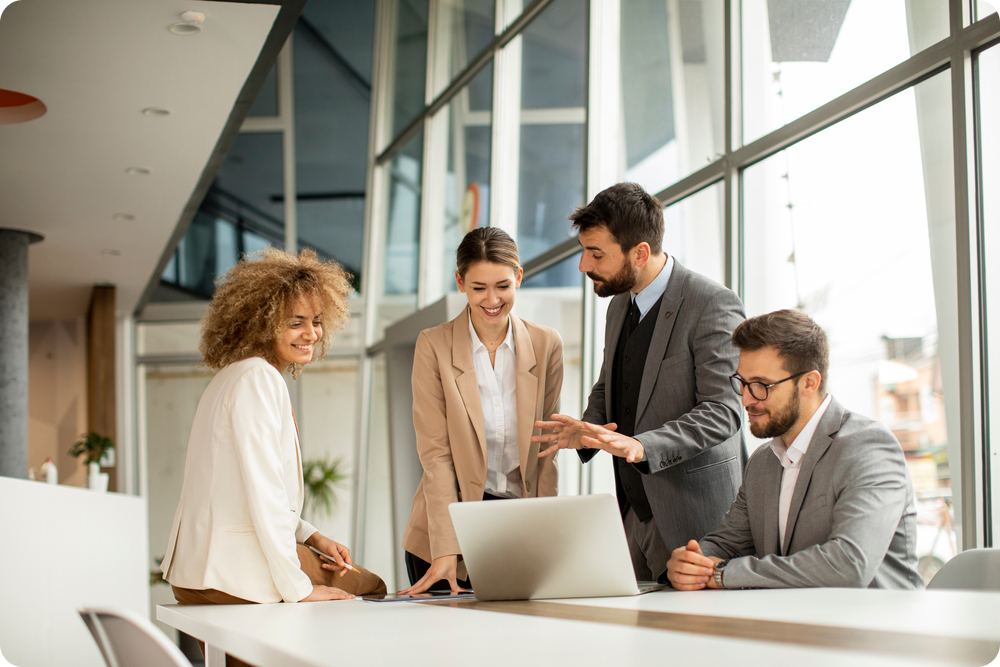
327, 557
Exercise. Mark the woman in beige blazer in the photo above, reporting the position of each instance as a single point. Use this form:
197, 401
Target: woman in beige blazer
238, 535
479, 384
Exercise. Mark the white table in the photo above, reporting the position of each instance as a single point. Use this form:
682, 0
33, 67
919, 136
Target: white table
832, 627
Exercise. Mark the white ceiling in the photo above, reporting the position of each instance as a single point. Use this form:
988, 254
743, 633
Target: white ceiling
96, 64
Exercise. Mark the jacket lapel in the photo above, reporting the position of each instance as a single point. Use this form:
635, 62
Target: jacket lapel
828, 426
468, 384
616, 318
673, 297
527, 392
772, 493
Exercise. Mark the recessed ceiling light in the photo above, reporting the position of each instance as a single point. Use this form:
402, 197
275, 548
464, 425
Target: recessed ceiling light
126, 217
138, 171
191, 24
155, 111
111, 251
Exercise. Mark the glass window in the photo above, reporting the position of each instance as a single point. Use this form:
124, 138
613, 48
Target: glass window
333, 51
989, 112
984, 9
171, 394
242, 212
693, 232
672, 80
544, 300
379, 550
266, 103
855, 227
553, 126
467, 177
465, 27
402, 237
409, 77
327, 393
799, 55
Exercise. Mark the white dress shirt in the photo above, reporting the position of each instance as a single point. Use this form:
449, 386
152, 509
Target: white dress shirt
791, 460
497, 393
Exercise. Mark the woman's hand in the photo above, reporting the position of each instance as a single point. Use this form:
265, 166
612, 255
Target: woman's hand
337, 551
442, 568
321, 593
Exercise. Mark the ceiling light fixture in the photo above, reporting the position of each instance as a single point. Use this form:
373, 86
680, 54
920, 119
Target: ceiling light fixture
191, 24
138, 171
155, 111
112, 252
125, 217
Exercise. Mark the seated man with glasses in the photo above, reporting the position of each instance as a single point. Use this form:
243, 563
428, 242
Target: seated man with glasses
828, 502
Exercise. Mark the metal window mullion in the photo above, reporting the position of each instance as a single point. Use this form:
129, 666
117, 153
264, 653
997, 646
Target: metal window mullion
732, 178
465, 76
375, 204
286, 109
971, 500
506, 138
432, 176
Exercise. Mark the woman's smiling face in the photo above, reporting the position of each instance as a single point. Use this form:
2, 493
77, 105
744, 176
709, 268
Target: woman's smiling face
296, 344
491, 289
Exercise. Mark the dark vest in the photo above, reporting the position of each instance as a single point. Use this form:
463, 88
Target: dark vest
626, 377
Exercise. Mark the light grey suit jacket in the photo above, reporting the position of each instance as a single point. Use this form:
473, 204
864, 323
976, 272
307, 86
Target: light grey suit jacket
688, 416
851, 523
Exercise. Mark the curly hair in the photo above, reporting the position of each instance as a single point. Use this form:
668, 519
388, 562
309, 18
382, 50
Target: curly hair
254, 299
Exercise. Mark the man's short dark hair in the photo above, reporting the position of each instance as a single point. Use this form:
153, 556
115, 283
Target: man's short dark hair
800, 342
631, 214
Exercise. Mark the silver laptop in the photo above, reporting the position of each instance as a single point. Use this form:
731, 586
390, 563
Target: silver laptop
544, 548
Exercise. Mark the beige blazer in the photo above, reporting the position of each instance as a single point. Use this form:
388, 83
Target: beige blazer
237, 522
451, 439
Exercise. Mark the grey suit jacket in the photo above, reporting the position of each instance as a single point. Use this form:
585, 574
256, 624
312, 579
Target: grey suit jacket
688, 416
851, 523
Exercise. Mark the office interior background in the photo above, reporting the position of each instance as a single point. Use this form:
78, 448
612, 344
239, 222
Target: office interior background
840, 157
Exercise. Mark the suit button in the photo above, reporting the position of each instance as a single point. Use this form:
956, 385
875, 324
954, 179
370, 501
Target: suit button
628, 411
626, 360
628, 488
626, 385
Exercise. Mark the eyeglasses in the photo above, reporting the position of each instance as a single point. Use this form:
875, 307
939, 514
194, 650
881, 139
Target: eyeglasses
758, 390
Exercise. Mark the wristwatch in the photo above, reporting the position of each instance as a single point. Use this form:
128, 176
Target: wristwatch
717, 573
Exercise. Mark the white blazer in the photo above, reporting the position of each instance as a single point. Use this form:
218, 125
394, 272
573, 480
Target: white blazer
237, 522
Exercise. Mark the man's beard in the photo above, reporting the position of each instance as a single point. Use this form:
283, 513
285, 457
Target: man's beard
778, 423
626, 278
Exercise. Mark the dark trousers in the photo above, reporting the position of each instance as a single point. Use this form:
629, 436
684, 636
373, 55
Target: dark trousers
416, 567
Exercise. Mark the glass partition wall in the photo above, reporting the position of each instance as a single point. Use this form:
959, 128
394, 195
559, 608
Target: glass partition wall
827, 156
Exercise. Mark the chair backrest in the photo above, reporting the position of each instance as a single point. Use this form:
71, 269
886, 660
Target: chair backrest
972, 570
128, 640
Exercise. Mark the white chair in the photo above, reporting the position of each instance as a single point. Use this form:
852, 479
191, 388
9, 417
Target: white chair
128, 640
972, 570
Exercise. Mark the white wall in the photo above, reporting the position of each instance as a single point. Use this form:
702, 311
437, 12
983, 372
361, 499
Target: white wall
64, 548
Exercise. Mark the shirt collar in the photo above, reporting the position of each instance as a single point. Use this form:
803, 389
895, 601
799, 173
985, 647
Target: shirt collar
645, 299
792, 456
478, 344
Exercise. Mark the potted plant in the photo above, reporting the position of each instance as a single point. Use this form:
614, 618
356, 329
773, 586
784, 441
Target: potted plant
322, 476
93, 446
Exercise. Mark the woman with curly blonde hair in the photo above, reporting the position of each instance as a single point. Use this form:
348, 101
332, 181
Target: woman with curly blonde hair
237, 535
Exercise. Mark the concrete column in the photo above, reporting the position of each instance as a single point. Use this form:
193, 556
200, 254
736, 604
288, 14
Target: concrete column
14, 351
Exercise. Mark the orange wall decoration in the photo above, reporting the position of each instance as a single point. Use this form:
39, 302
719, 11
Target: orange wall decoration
17, 107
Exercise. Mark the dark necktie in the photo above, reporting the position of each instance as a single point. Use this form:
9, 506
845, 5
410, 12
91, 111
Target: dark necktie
632, 318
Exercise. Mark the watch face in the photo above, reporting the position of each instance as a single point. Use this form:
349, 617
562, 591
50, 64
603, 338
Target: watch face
721, 564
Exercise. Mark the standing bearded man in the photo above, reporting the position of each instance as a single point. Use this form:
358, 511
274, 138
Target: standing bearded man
662, 405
